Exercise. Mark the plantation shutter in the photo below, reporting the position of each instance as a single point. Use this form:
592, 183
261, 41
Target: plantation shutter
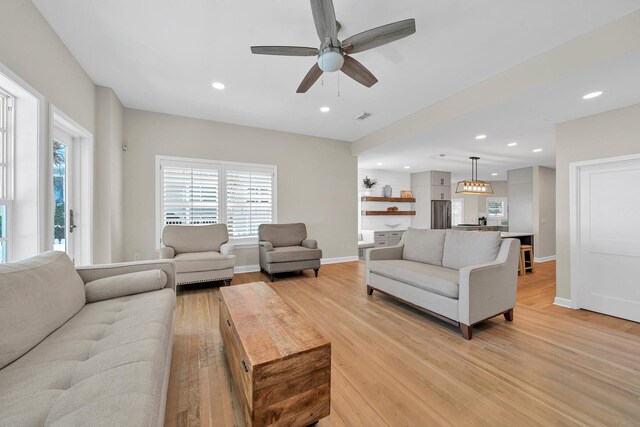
249, 200
190, 195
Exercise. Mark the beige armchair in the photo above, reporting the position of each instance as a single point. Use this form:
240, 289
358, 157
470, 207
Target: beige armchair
200, 252
285, 247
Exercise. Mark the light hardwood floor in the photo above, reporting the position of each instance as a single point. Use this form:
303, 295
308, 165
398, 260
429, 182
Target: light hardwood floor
392, 365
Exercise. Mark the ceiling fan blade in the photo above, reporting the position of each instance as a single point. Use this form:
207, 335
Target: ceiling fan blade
324, 16
379, 36
358, 72
312, 76
284, 50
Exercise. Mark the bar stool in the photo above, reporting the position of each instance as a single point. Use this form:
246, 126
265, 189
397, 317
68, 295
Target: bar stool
522, 268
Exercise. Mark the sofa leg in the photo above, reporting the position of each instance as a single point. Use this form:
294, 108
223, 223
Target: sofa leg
315, 270
508, 315
272, 277
467, 331
369, 290
227, 282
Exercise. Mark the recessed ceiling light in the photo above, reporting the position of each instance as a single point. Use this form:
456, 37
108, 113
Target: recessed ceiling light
379, 163
537, 150
481, 136
494, 174
325, 109
592, 95
512, 144
217, 85
407, 167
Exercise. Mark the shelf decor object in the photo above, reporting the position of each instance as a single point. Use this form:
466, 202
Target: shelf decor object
474, 185
406, 194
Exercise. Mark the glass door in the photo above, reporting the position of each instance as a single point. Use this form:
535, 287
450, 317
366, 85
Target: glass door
64, 226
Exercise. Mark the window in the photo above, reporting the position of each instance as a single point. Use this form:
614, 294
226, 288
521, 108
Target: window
208, 192
6, 145
457, 211
496, 207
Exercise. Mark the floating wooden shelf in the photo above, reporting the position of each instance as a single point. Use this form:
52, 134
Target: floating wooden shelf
369, 213
388, 199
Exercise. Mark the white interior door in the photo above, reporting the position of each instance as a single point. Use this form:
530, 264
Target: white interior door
609, 238
65, 230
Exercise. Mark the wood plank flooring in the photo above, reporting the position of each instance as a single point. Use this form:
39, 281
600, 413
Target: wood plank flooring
392, 365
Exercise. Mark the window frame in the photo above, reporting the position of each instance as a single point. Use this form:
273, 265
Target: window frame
8, 111
222, 167
505, 207
461, 200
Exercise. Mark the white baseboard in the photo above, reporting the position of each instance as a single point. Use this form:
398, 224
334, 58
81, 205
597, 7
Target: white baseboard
544, 258
562, 302
338, 259
246, 268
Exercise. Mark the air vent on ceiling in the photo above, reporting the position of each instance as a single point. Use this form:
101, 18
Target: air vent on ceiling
363, 116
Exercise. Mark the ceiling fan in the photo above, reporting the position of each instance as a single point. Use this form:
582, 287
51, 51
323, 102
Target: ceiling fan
333, 55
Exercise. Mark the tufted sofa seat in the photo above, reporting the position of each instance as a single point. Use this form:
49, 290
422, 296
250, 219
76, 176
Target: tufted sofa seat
108, 364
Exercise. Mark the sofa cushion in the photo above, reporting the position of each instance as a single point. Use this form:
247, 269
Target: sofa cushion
37, 296
292, 253
432, 278
105, 366
465, 248
125, 284
423, 245
203, 261
282, 234
195, 238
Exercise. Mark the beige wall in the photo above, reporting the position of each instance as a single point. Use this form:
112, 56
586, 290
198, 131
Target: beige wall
610, 134
108, 236
317, 178
544, 212
33, 51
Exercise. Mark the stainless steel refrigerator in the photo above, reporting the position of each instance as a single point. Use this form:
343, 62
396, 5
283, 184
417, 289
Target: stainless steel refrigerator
440, 214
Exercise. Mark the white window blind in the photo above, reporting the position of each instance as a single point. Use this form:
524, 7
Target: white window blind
457, 211
193, 191
249, 201
190, 195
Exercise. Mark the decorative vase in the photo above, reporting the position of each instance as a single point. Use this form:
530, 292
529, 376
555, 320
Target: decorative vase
387, 191
366, 192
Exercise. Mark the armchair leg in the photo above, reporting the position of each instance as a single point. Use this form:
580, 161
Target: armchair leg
369, 290
467, 331
508, 315
315, 270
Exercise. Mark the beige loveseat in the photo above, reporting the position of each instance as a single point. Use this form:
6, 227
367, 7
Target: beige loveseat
285, 248
201, 252
85, 347
461, 277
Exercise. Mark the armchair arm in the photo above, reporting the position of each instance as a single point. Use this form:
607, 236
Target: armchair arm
226, 249
309, 243
268, 247
167, 253
489, 289
263, 248
95, 272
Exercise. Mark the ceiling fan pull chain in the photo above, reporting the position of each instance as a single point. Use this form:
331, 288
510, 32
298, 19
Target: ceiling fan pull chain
338, 85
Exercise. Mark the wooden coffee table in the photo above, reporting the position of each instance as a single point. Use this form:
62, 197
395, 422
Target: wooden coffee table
280, 364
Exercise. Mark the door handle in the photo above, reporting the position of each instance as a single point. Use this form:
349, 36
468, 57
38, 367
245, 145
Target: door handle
72, 224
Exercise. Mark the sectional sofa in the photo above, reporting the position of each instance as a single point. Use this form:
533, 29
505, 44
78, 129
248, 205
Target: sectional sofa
85, 347
461, 277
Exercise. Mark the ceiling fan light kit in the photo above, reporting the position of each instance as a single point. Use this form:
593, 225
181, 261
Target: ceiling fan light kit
334, 55
474, 185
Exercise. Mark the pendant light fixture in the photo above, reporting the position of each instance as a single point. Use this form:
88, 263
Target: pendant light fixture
474, 185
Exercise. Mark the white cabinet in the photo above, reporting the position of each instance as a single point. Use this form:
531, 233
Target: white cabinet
387, 238
441, 179
439, 192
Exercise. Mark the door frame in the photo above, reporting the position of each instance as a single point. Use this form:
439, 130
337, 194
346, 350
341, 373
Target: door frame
575, 169
82, 183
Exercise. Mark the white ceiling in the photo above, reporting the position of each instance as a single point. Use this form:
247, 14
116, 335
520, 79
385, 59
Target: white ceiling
164, 55
528, 119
